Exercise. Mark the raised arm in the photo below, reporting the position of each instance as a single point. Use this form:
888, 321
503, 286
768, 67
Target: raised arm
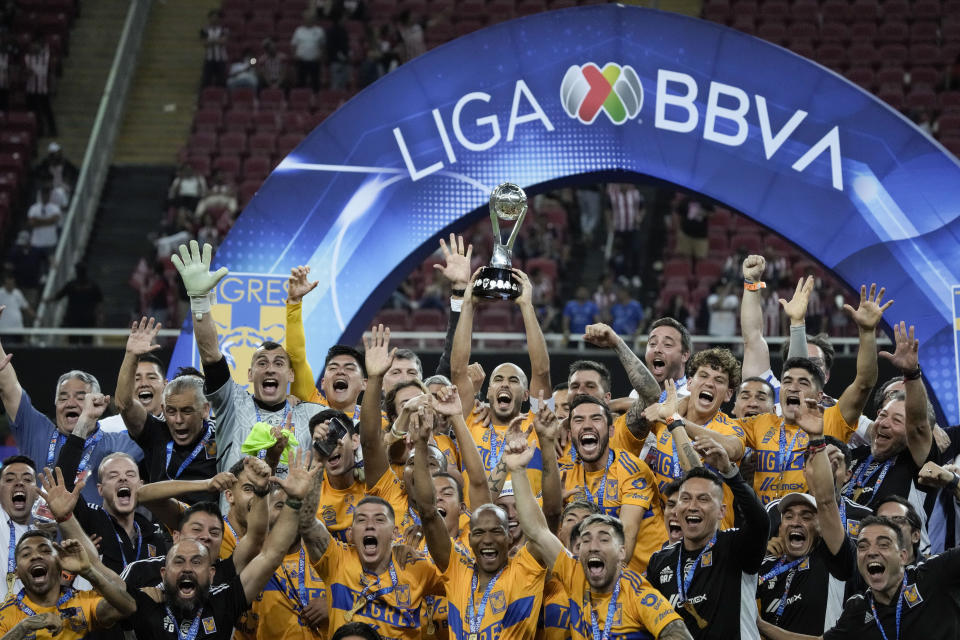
258, 517
478, 491
460, 352
756, 353
536, 344
457, 270
314, 534
10, 389
425, 497
544, 546
640, 377
819, 475
551, 487
139, 343
117, 603
796, 310
867, 316
378, 357
194, 270
161, 497
296, 484
666, 412
94, 404
299, 285
906, 358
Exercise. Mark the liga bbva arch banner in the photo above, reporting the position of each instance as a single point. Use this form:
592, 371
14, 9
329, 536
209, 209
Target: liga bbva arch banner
612, 91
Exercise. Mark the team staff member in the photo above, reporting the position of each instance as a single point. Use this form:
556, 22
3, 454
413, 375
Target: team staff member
710, 577
18, 493
182, 446
802, 589
599, 587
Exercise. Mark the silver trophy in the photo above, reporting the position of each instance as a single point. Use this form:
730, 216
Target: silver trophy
497, 282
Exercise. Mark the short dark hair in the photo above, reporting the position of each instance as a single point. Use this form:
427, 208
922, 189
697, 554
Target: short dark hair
807, 365
773, 392
591, 365
365, 631
583, 398
884, 521
31, 533
913, 518
27, 460
821, 340
200, 507
704, 473
686, 344
444, 474
881, 391
154, 360
602, 518
344, 350
670, 488
327, 414
561, 386
409, 354
844, 449
579, 503
718, 359
188, 371
237, 467
390, 399
380, 501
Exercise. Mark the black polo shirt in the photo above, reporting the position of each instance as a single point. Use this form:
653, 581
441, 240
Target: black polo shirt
156, 442
814, 599
866, 486
221, 609
930, 609
853, 512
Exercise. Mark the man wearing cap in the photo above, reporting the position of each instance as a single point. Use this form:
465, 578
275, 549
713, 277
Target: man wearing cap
61, 171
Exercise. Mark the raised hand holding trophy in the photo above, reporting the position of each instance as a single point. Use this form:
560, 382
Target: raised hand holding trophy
497, 281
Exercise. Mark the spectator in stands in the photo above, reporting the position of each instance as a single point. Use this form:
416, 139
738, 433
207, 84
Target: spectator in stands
626, 314
338, 53
61, 172
9, 54
308, 41
83, 301
15, 302
8, 13
387, 43
221, 194
243, 72
372, 67
272, 66
214, 37
349, 9
543, 298
28, 265
187, 188
591, 204
723, 304
578, 313
627, 215
39, 85
605, 295
679, 310
411, 34
690, 218
43, 218
435, 294
154, 294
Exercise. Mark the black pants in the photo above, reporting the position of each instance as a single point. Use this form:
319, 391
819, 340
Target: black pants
39, 103
309, 68
214, 73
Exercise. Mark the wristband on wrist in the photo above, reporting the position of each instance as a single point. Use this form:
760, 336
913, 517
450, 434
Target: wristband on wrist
456, 304
754, 286
675, 424
912, 375
200, 305
294, 503
952, 485
819, 441
70, 515
458, 292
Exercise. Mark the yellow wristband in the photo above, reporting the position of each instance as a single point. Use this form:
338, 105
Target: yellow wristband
754, 286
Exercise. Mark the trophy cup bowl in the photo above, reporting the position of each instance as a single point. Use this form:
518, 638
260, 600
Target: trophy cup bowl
508, 202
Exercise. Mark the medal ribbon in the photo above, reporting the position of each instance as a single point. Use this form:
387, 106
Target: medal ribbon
783, 456
226, 521
193, 454
301, 585
876, 618
11, 561
611, 610
194, 626
495, 452
683, 587
67, 594
475, 617
862, 477
283, 420
603, 483
780, 567
123, 556
58, 439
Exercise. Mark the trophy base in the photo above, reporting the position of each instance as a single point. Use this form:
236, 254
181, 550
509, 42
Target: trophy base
495, 283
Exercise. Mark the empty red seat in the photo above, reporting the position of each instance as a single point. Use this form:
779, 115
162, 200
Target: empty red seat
831, 55
922, 97
23, 120
228, 164
927, 10
232, 142
266, 122
893, 33
207, 120
212, 97
235, 120
256, 167
948, 100
395, 319
296, 121
892, 95
774, 9
925, 76
545, 265
200, 164
925, 54
949, 124
708, 269
805, 11
272, 98
835, 11
243, 98
301, 99
677, 268
202, 142
867, 54
751, 242
862, 77
863, 30
263, 143
890, 76
248, 188
865, 9
288, 142
805, 31
924, 32
529, 7
775, 33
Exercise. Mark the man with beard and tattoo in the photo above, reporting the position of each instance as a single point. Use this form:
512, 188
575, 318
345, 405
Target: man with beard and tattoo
710, 576
600, 588
125, 535
269, 374
180, 444
901, 601
801, 589
44, 608
18, 492
146, 377
187, 602
508, 387
618, 483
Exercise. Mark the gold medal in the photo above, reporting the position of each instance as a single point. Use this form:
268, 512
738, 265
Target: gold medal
11, 578
857, 494
696, 616
348, 616
472, 636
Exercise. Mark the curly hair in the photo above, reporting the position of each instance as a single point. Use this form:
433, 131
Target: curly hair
718, 359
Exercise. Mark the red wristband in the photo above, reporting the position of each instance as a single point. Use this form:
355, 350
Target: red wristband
62, 520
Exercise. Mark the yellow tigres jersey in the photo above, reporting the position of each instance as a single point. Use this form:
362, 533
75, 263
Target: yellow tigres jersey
622, 438
395, 614
639, 608
666, 469
336, 506
555, 619
773, 478
482, 432
629, 482
513, 606
229, 539
279, 605
79, 615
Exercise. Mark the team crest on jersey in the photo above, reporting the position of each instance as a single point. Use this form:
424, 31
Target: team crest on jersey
804, 565
853, 527
707, 559
75, 618
498, 602
612, 488
403, 595
329, 516
209, 625
666, 575
912, 595
210, 447
151, 551
768, 436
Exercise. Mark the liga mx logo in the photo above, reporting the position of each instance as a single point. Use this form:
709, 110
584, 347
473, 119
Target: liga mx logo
615, 90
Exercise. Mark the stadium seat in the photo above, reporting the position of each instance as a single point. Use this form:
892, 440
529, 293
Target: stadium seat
927, 10
835, 11
890, 76
200, 164
925, 54
865, 9
861, 76
924, 32
775, 33
227, 163
262, 143
243, 99
272, 99
288, 142
213, 97
863, 31
248, 188
396, 319
805, 11
202, 142
22, 121
208, 120
295, 121
232, 142
895, 32
256, 167
266, 122
235, 120
301, 99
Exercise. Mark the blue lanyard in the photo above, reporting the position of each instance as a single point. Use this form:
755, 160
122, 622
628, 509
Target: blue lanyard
603, 483
67, 594
611, 610
782, 567
58, 439
495, 457
684, 587
301, 582
226, 521
862, 477
475, 617
783, 456
382, 592
11, 561
675, 470
123, 556
194, 626
193, 454
876, 618
843, 512
414, 516
283, 418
